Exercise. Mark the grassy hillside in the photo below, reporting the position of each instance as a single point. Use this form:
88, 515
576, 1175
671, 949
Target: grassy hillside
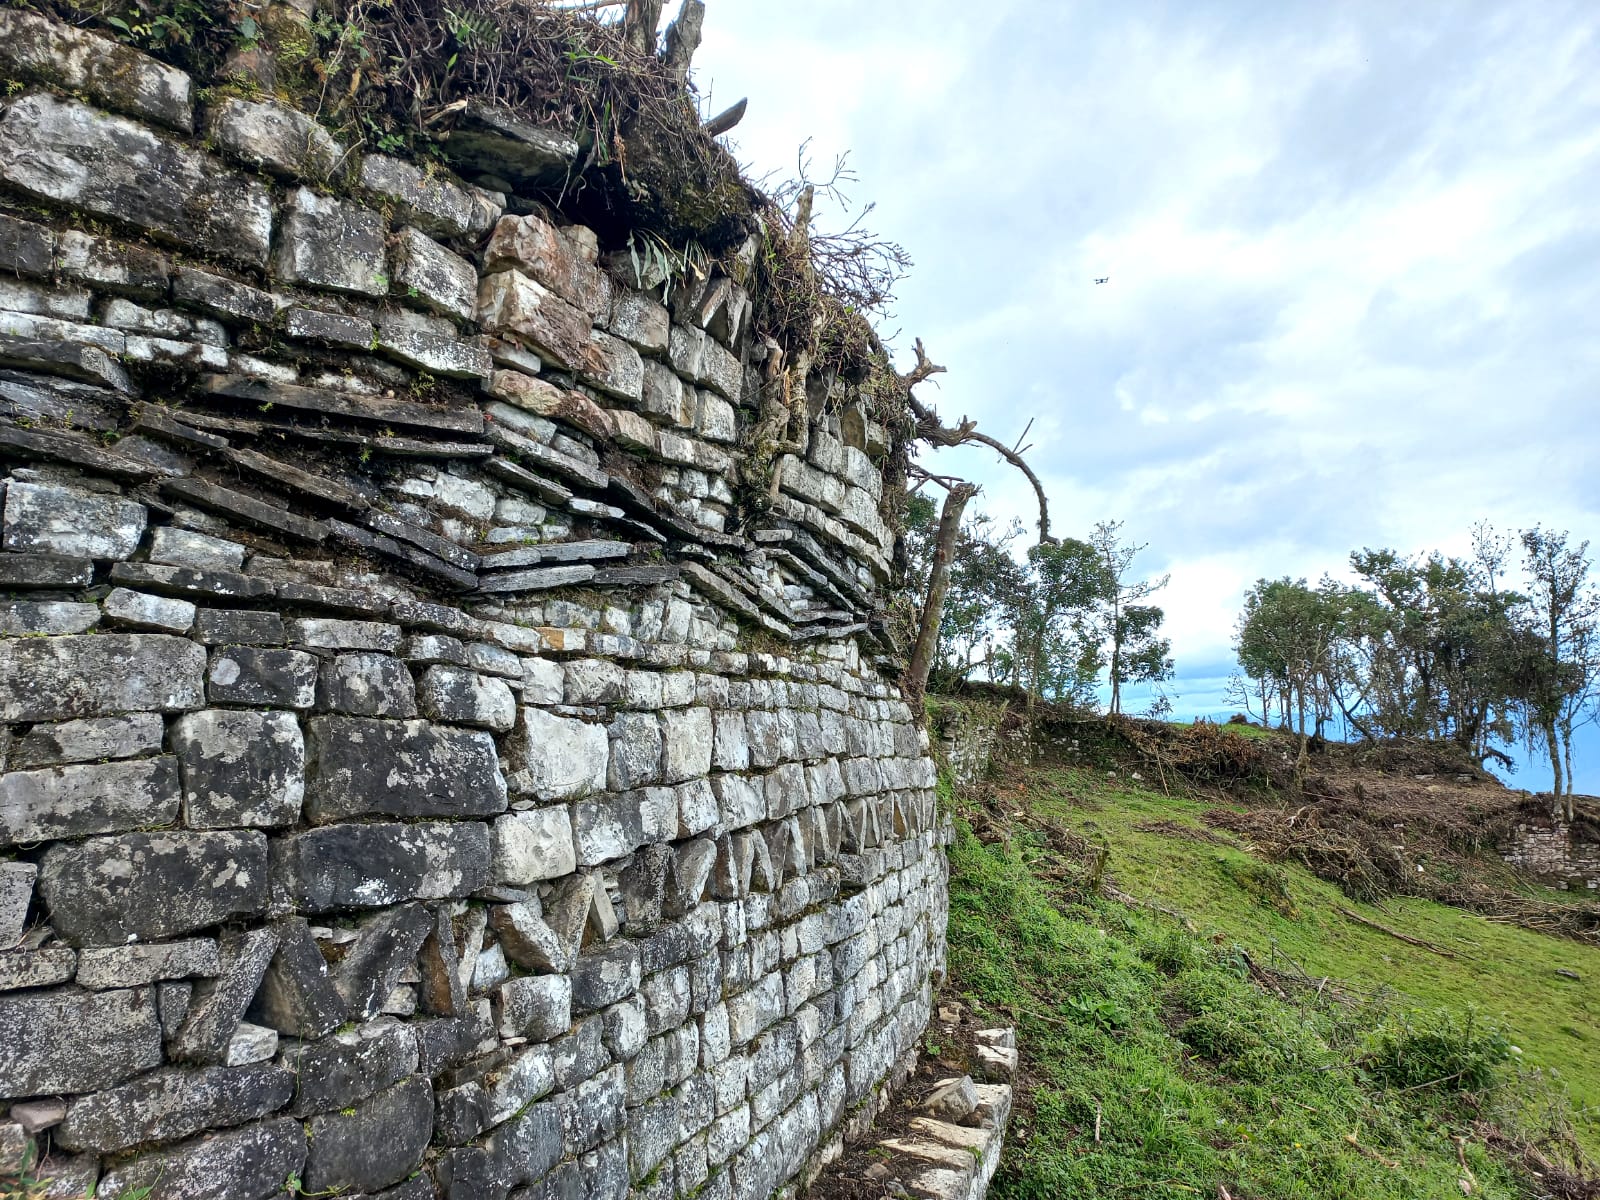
1253, 1040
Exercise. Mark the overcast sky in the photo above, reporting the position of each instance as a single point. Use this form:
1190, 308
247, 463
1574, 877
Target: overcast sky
1353, 249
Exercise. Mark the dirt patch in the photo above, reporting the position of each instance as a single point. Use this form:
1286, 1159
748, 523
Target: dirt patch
1193, 833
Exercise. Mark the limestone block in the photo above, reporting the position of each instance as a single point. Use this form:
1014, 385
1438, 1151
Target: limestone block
686, 351
557, 261
715, 419
108, 890
238, 627
437, 278
721, 371
594, 681
340, 1071
240, 769
639, 319
533, 844
16, 894
71, 801
536, 1007
462, 697
687, 744
243, 1164
67, 152
730, 751
614, 367
635, 750
226, 298
593, 1111
139, 610
250, 1044
283, 678
386, 947
101, 968
57, 520
329, 243
114, 74
357, 766
367, 685
22, 618
428, 201
173, 1103
272, 137
605, 976
370, 866
36, 968
518, 307
98, 738
666, 398
561, 756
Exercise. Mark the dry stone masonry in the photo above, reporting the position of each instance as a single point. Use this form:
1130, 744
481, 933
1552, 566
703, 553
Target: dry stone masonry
430, 767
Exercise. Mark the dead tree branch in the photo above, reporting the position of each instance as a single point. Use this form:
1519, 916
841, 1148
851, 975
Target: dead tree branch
944, 548
683, 38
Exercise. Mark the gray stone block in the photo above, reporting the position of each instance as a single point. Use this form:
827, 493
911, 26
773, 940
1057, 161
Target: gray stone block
350, 1066
428, 201
528, 1146
16, 894
593, 1112
282, 678
238, 627
536, 1007
58, 520
437, 278
243, 1164
561, 756
91, 675
272, 137
374, 865
635, 751
329, 243
377, 1145
36, 968
109, 890
140, 610
87, 798
603, 977
367, 685
327, 633
88, 740
533, 845
76, 1042
240, 769
173, 1103
67, 152
25, 618
687, 742
105, 967
114, 74
359, 767
449, 693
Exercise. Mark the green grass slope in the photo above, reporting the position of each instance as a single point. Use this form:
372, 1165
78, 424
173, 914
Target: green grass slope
1199, 1081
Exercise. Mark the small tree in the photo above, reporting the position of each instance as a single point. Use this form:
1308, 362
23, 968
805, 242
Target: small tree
1565, 609
1129, 631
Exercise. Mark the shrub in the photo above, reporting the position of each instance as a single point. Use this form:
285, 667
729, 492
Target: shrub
1421, 1050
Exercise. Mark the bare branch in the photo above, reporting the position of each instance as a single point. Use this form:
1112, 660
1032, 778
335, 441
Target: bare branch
683, 38
726, 119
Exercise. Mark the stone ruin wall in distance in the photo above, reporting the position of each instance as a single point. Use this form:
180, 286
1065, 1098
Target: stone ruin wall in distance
422, 774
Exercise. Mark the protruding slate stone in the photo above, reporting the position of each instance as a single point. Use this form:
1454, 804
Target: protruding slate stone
244, 1164
58, 520
173, 1103
240, 769
76, 1042
67, 152
490, 138
377, 1145
219, 1004
297, 996
108, 890
88, 740
116, 75
330, 243
388, 945
71, 801
430, 202
92, 675
374, 865
140, 610
401, 768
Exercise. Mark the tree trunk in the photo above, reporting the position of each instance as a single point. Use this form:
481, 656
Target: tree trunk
1557, 793
944, 547
639, 25
1566, 750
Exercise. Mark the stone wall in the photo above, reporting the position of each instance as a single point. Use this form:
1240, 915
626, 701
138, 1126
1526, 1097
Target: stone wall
1547, 849
430, 767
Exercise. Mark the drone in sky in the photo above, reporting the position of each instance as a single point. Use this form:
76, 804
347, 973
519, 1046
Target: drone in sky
1103, 279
